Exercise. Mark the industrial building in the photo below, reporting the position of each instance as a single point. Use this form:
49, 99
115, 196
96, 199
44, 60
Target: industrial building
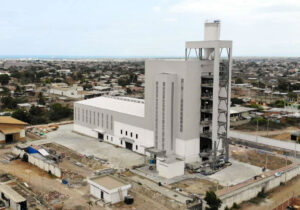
185, 115
11, 129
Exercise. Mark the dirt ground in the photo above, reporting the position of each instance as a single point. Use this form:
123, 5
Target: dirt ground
281, 134
196, 186
74, 156
258, 158
42, 183
275, 197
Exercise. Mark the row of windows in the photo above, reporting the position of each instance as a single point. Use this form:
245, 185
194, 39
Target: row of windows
90, 117
126, 133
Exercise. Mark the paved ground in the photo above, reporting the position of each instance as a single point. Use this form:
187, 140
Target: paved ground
236, 173
118, 157
265, 141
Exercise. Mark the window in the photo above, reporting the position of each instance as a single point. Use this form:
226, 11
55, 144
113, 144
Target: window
121, 131
121, 142
106, 137
126, 133
181, 105
136, 136
111, 122
107, 121
131, 134
94, 118
136, 147
90, 117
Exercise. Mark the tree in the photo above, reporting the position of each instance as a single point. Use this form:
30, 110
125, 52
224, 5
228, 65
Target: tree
21, 115
239, 81
292, 96
213, 202
58, 111
9, 102
4, 79
41, 99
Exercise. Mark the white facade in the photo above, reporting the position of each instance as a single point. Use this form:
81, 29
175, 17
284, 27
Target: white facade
112, 191
185, 111
170, 168
62, 89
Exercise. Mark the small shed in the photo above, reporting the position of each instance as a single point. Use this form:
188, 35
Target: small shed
108, 188
11, 129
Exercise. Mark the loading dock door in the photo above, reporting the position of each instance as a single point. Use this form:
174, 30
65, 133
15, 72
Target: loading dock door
9, 138
128, 145
100, 136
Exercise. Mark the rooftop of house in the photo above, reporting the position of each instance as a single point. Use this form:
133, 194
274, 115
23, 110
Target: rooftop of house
11, 194
10, 120
108, 182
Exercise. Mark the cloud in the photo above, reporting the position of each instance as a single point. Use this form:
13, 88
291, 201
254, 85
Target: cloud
169, 19
233, 8
156, 8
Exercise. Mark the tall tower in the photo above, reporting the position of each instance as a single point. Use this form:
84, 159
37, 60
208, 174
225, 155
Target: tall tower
215, 92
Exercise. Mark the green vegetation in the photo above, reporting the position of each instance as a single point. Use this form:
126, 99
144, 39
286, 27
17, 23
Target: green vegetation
4, 79
239, 81
213, 202
256, 106
278, 103
235, 101
37, 115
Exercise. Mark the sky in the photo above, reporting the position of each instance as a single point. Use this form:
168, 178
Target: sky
145, 28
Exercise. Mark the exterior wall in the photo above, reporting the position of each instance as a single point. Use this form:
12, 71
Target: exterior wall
165, 104
250, 191
71, 92
188, 149
17, 136
170, 170
109, 196
55, 170
88, 119
143, 138
85, 130
2, 137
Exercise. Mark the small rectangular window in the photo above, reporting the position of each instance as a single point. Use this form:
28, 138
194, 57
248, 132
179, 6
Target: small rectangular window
136, 147
106, 137
136, 136
121, 142
121, 131
126, 133
131, 134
